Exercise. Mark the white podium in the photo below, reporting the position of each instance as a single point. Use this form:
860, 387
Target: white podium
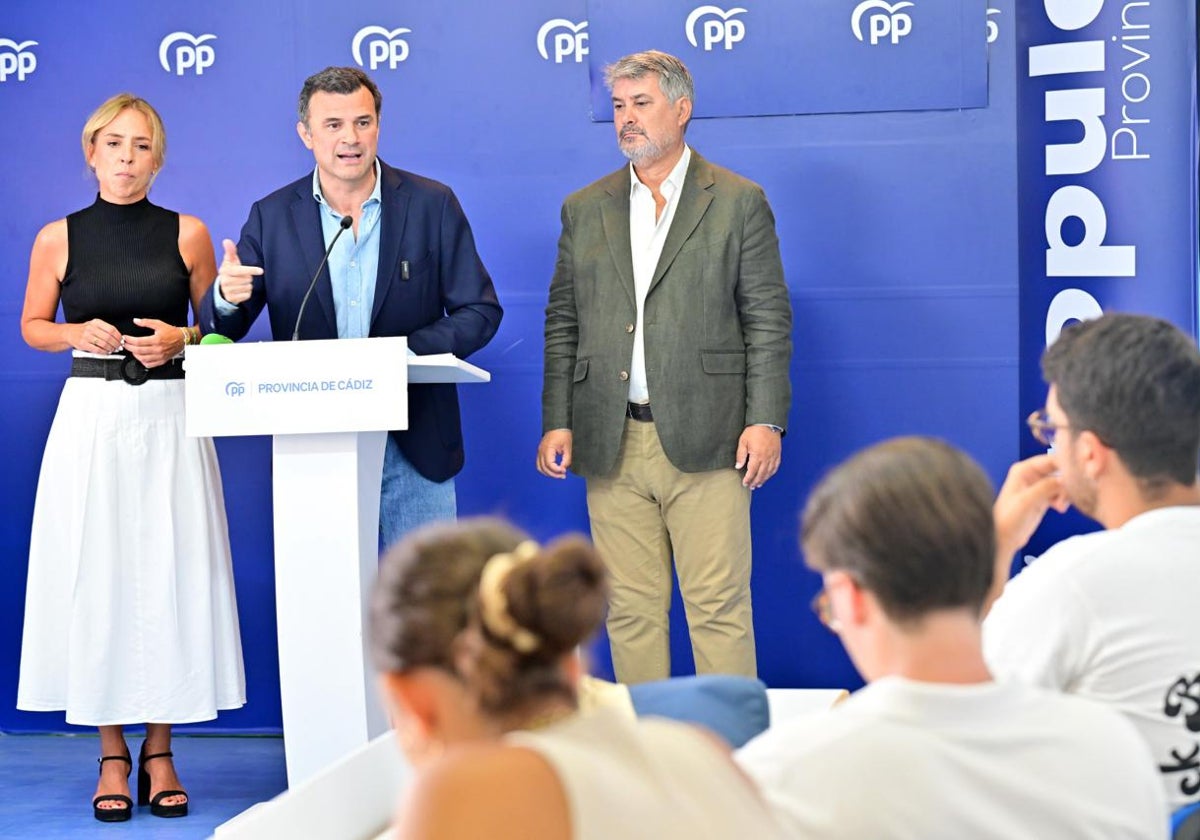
328, 405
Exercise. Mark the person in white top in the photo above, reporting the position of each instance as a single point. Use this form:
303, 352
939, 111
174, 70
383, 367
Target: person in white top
933, 748
475, 630
1112, 615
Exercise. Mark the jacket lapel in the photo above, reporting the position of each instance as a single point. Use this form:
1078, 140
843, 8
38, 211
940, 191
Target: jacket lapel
306, 217
614, 213
693, 204
393, 213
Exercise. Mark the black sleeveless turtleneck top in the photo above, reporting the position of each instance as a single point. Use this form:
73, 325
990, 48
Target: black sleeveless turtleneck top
123, 262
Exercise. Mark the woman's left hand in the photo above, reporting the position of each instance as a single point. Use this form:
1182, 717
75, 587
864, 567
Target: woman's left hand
164, 344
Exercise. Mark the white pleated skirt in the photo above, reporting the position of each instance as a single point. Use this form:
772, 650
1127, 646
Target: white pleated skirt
130, 614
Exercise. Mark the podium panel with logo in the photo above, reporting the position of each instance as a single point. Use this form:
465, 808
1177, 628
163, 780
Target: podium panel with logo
328, 406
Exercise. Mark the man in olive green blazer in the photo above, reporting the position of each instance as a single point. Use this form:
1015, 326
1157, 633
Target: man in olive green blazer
668, 344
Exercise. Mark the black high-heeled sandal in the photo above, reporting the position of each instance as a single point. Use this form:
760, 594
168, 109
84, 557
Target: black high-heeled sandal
113, 814
156, 806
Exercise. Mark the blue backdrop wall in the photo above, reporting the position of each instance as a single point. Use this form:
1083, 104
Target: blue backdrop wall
898, 230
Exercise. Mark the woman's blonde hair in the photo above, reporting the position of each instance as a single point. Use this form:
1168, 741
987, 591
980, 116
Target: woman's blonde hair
111, 109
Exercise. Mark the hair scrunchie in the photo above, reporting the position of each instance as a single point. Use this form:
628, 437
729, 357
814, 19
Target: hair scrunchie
493, 603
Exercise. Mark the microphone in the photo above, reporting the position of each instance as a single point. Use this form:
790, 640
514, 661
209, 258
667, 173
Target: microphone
342, 226
216, 338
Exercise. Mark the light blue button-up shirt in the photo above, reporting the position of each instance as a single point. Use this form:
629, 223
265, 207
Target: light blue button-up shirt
354, 262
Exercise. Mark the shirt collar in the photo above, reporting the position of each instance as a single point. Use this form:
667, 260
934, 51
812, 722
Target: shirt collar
374, 196
671, 183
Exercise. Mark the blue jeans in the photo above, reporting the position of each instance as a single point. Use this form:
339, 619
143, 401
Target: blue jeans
407, 499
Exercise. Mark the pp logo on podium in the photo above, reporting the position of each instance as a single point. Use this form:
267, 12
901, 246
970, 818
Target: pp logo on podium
235, 389
16, 60
183, 51
886, 22
569, 40
718, 29
384, 46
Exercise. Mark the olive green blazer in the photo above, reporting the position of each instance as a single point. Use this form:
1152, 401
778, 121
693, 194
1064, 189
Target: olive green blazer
718, 322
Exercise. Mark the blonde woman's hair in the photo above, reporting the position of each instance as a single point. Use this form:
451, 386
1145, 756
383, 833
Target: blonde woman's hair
112, 108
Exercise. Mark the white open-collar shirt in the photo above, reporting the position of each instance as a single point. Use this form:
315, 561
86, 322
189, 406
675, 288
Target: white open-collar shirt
646, 237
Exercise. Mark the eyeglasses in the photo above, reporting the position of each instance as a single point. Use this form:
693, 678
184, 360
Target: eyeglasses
1043, 428
822, 608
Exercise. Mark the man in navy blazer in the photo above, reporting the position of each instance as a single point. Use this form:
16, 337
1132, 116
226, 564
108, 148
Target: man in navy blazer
407, 266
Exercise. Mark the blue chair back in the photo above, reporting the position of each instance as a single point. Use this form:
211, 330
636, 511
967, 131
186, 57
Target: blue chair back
733, 707
1185, 823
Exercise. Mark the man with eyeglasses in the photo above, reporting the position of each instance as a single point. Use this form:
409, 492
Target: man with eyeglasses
1113, 615
902, 535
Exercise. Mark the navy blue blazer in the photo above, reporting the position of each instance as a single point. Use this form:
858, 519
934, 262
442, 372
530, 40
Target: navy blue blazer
445, 304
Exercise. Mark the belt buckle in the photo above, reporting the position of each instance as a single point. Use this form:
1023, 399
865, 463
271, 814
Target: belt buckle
133, 371
640, 412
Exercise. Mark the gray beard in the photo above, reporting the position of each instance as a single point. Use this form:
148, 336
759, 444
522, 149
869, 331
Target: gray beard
648, 150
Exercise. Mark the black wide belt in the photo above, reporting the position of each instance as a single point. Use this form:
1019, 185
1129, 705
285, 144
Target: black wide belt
125, 368
639, 412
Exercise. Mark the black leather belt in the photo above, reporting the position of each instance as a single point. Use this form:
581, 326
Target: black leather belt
639, 412
125, 368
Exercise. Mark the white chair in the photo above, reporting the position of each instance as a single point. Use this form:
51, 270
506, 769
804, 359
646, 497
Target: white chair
355, 798
790, 703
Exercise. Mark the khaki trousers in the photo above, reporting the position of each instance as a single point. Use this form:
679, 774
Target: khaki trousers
643, 514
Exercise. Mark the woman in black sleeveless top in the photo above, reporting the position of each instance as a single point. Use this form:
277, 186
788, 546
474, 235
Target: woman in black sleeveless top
130, 615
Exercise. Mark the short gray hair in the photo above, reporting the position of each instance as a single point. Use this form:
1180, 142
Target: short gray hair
673, 76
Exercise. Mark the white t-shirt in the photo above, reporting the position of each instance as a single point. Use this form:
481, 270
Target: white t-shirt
1114, 616
927, 761
648, 778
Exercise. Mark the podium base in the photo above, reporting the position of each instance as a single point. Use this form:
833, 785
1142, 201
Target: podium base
326, 502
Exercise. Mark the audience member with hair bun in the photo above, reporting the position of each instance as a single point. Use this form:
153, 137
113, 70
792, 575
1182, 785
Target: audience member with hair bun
475, 629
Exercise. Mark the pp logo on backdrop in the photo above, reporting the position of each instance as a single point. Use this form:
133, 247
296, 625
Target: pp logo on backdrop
384, 46
15, 60
569, 40
884, 21
235, 389
183, 51
717, 29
